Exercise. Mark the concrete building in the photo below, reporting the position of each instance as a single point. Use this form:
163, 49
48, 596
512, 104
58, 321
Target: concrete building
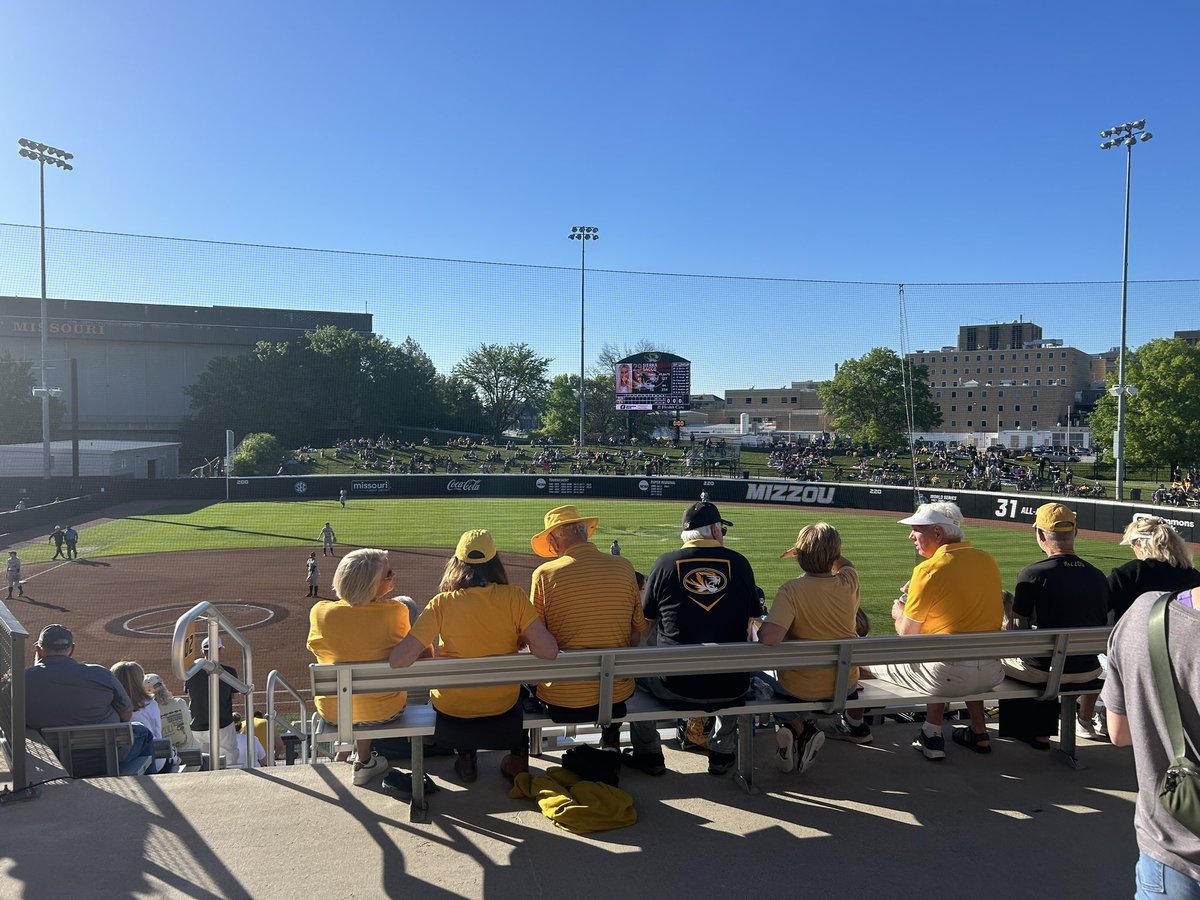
1191, 336
1008, 377
135, 359
789, 409
117, 459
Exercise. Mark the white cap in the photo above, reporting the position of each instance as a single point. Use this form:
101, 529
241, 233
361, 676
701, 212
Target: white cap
204, 644
152, 680
927, 515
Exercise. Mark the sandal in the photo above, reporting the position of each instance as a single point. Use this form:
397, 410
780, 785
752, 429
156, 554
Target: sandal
972, 740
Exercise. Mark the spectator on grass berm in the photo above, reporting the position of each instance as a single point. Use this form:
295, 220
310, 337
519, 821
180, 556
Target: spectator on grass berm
71, 536
312, 573
59, 538
327, 540
132, 677
702, 593
588, 601
954, 590
13, 570
362, 625
1060, 591
1163, 563
197, 690
820, 605
173, 713
475, 613
60, 691
1169, 853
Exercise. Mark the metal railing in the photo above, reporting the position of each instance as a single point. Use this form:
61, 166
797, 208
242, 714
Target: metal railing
182, 646
13, 638
276, 680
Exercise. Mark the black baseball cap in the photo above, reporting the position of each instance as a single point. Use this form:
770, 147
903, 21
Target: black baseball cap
56, 637
698, 515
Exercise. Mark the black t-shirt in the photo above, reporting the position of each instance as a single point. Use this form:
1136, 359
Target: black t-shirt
197, 689
1063, 592
1138, 576
703, 593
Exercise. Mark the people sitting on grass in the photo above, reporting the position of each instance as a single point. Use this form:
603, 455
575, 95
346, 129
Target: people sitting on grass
1163, 563
478, 613
363, 624
820, 605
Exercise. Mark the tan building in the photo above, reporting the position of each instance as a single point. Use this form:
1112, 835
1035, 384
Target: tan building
797, 408
1004, 377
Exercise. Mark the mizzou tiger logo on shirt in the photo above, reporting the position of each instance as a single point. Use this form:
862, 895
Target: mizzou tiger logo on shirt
704, 580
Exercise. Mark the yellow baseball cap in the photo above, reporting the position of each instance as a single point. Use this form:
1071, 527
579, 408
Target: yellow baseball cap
475, 546
1054, 517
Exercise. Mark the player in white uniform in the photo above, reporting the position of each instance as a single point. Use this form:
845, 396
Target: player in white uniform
14, 574
328, 537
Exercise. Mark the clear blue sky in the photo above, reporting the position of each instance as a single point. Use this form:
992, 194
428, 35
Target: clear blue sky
874, 141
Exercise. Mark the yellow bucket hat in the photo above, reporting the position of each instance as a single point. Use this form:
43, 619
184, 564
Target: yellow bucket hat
560, 515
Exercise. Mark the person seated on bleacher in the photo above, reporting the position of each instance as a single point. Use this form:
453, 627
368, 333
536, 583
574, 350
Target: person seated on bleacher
260, 753
173, 713
478, 613
820, 605
955, 589
197, 689
1061, 591
362, 625
61, 691
132, 677
588, 600
1164, 563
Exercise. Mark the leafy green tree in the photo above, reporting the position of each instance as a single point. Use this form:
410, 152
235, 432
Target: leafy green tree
22, 412
506, 378
1161, 420
866, 399
257, 454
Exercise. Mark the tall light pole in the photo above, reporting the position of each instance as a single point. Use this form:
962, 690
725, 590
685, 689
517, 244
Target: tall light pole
583, 234
1123, 136
42, 154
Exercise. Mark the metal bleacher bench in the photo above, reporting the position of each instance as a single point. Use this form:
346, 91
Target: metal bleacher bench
344, 680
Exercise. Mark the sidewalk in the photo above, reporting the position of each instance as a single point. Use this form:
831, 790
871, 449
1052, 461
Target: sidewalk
875, 821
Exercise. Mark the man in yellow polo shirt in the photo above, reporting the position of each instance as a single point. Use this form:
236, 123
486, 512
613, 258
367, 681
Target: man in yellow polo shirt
589, 601
955, 589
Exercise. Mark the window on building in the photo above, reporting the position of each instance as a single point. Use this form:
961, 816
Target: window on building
983, 408
969, 423
1033, 424
953, 409
793, 400
1035, 406
764, 400
970, 406
1000, 408
954, 393
970, 393
1017, 407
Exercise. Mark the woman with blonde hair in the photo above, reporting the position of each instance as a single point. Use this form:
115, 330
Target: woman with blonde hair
478, 613
1164, 563
362, 625
132, 677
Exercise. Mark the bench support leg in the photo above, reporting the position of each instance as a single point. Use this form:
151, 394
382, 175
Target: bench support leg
418, 809
745, 755
1066, 734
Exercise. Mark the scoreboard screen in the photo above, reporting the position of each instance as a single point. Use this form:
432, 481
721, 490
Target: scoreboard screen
653, 381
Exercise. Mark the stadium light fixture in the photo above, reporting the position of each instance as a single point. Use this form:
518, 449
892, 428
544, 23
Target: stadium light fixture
583, 234
1124, 136
44, 155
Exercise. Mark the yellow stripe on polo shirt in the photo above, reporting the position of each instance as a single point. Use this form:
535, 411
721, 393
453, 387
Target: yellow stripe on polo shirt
589, 601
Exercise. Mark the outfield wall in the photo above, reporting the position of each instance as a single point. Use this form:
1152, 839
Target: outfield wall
1094, 515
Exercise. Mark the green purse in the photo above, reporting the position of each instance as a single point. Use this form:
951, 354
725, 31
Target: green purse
1179, 790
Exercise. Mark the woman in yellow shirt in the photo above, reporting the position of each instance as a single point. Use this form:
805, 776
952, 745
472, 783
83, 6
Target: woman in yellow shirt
478, 613
362, 625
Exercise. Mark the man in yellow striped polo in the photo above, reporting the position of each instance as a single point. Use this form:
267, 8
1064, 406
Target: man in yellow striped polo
589, 601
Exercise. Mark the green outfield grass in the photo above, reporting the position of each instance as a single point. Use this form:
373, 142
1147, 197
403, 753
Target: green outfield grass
877, 545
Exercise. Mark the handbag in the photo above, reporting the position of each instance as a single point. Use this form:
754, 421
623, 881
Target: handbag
1179, 789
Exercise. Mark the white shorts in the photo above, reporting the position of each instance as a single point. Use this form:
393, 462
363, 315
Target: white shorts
957, 678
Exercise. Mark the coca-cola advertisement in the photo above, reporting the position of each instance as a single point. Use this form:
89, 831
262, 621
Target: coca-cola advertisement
461, 485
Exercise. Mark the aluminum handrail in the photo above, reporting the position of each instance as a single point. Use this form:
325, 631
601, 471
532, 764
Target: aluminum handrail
275, 679
217, 624
13, 638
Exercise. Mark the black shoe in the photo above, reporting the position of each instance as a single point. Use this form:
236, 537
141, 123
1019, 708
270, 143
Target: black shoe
720, 763
650, 763
401, 783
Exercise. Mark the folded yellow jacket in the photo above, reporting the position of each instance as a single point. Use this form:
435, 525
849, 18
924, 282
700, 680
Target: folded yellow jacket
575, 805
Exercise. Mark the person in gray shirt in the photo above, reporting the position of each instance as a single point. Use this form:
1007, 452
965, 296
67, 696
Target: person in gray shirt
60, 690
1169, 858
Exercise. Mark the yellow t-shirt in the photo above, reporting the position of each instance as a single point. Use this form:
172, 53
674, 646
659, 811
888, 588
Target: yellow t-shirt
474, 622
588, 600
339, 632
956, 591
816, 608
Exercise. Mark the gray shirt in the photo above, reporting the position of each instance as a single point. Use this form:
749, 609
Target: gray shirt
59, 690
1130, 690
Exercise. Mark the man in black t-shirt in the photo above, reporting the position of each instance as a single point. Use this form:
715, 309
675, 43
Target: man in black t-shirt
1061, 591
701, 593
196, 688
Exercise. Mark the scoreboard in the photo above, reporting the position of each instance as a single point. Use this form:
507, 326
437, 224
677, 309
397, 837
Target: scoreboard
653, 381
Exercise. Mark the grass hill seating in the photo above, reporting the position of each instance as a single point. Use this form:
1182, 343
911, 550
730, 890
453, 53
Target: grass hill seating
345, 680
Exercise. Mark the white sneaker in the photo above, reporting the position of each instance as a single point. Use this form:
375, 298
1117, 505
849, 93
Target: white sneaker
811, 741
785, 756
375, 767
1088, 728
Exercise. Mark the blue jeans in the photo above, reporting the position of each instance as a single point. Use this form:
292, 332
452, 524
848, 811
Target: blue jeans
644, 735
1155, 879
143, 745
773, 681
